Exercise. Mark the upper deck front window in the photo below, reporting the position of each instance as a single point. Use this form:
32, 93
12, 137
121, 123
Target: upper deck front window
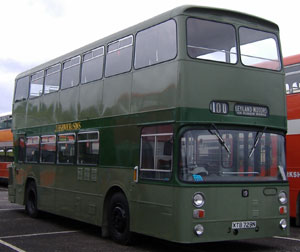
211, 40
259, 49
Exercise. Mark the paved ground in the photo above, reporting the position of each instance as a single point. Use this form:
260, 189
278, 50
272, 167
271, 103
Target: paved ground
19, 233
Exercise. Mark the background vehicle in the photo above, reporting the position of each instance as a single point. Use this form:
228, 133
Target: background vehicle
162, 129
6, 146
292, 80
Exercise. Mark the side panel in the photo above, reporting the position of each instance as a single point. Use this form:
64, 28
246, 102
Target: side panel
75, 190
153, 210
293, 106
46, 187
49, 105
19, 115
155, 87
292, 149
33, 112
90, 100
68, 105
117, 95
4, 170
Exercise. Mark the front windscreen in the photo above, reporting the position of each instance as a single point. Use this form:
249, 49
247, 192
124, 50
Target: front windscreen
218, 155
259, 49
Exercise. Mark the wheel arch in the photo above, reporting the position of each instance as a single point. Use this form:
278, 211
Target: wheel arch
112, 190
28, 180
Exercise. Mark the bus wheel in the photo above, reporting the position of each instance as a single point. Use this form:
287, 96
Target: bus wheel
31, 200
118, 219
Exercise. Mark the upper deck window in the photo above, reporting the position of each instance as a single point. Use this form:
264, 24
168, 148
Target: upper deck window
211, 40
92, 66
36, 84
52, 79
292, 79
156, 44
5, 122
119, 56
70, 73
22, 88
259, 49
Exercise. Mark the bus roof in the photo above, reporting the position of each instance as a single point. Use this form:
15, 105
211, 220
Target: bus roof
290, 60
5, 116
189, 10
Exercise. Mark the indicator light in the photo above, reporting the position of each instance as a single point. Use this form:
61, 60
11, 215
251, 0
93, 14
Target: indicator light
198, 213
283, 210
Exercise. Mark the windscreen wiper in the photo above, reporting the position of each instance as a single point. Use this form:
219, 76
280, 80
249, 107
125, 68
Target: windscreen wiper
257, 139
282, 172
221, 140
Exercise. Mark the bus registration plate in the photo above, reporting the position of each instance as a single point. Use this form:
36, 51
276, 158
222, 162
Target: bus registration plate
243, 224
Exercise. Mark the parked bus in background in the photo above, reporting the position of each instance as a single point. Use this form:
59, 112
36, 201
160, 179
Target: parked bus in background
163, 129
292, 80
6, 146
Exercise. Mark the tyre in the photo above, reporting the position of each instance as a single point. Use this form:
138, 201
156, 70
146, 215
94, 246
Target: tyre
119, 219
31, 200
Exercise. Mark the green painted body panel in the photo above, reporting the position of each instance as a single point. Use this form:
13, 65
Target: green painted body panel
176, 92
224, 205
155, 88
203, 82
90, 100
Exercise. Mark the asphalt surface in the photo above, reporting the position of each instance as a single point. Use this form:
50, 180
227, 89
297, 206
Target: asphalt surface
19, 233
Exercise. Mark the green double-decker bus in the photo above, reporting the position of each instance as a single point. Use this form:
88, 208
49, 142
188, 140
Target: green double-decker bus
173, 128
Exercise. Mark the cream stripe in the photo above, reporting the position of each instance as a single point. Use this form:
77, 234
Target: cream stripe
293, 127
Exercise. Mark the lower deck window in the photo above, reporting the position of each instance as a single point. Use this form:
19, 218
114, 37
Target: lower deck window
21, 149
6, 154
2, 155
9, 154
32, 149
156, 152
48, 149
66, 148
88, 148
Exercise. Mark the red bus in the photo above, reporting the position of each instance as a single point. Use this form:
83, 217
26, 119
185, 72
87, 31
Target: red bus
6, 146
292, 73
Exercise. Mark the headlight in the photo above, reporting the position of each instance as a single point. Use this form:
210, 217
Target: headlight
282, 197
198, 200
283, 224
199, 229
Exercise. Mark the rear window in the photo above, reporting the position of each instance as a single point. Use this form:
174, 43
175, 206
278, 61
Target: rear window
22, 88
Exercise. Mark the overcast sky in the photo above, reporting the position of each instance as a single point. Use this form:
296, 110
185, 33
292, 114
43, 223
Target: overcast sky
35, 31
